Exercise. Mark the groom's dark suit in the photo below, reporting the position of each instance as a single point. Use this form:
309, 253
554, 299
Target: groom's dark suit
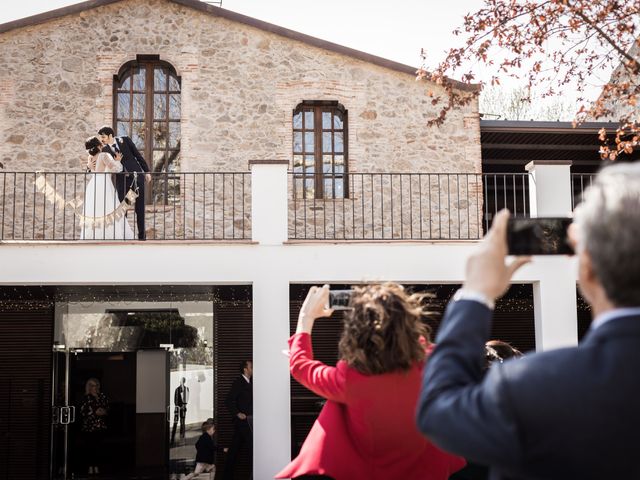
570, 413
132, 161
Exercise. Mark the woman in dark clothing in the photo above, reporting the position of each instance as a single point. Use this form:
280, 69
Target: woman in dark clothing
94, 410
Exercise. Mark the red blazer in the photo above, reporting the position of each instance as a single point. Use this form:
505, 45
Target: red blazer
367, 428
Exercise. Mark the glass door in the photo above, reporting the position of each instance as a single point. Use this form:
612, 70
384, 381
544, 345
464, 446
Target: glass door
151, 364
62, 413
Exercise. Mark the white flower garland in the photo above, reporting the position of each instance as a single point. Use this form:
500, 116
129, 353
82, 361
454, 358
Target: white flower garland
75, 204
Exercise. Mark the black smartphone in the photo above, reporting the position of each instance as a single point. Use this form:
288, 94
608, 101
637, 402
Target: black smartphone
340, 299
539, 236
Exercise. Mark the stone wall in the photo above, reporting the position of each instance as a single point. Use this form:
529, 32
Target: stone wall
240, 85
392, 207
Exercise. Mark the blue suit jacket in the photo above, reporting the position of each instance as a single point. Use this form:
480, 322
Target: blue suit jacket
572, 413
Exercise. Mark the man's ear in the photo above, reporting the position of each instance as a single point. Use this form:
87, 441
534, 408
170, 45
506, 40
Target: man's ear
587, 265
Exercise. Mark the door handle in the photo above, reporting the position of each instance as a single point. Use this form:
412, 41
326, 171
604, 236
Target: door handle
64, 415
72, 416
55, 415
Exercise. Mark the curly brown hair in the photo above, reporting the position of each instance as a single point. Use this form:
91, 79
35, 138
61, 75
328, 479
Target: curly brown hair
382, 331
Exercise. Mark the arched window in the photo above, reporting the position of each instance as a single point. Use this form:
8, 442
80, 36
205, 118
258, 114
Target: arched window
147, 109
320, 154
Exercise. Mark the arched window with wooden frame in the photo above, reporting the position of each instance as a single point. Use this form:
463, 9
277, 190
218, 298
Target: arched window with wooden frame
320, 153
146, 107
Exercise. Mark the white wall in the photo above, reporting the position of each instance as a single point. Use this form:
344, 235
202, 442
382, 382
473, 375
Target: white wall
270, 266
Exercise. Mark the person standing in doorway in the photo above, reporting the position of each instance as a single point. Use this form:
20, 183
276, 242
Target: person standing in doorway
180, 401
94, 410
132, 161
239, 401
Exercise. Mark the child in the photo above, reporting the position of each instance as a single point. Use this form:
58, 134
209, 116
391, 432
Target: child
206, 452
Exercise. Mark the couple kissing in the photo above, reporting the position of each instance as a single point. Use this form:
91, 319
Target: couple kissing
108, 202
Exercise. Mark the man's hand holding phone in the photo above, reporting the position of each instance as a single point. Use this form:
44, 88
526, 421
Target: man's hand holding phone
487, 272
539, 236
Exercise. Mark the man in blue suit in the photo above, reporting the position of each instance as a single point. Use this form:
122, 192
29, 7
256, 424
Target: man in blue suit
570, 413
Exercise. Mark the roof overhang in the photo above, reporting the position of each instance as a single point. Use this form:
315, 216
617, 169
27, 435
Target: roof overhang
516, 143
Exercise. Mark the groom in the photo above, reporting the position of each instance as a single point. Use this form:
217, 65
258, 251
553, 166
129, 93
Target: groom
132, 161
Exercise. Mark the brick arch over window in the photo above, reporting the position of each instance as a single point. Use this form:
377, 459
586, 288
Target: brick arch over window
147, 108
320, 151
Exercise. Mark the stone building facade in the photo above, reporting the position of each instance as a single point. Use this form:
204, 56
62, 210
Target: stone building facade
240, 81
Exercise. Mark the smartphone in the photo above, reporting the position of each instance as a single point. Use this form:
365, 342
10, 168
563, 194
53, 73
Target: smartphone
340, 299
539, 236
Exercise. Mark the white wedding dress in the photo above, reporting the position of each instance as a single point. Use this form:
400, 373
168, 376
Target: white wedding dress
100, 199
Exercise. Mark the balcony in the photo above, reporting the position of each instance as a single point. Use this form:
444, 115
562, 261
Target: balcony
178, 206
217, 206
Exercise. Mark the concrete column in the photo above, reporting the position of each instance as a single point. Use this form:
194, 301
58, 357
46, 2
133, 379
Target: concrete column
554, 296
269, 208
555, 304
271, 398
549, 188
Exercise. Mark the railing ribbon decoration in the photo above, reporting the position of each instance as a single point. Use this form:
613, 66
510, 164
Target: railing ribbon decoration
75, 204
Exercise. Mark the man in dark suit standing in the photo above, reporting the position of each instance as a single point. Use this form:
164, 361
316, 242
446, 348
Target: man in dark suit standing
239, 401
180, 401
570, 413
132, 161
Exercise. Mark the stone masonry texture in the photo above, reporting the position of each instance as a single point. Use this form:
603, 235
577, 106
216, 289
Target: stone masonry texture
239, 85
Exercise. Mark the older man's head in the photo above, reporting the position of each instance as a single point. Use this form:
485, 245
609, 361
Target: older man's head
606, 232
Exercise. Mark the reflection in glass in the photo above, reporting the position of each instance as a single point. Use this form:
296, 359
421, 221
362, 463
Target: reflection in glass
309, 187
297, 186
326, 120
159, 160
139, 79
339, 187
124, 105
326, 142
184, 329
159, 134
126, 83
174, 107
137, 134
328, 188
326, 163
174, 86
338, 164
338, 141
297, 142
297, 120
173, 164
159, 79
122, 129
308, 120
297, 164
159, 107
310, 163
309, 144
137, 110
337, 121
174, 135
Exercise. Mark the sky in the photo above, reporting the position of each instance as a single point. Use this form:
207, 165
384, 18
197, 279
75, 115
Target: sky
396, 30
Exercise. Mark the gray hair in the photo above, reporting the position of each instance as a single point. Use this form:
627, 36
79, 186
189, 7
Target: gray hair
608, 222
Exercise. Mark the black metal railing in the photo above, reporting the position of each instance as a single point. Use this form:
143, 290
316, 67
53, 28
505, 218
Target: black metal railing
81, 206
407, 206
579, 183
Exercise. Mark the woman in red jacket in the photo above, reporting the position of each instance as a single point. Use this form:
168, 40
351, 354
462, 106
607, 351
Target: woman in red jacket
367, 429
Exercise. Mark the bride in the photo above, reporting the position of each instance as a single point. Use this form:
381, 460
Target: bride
101, 198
